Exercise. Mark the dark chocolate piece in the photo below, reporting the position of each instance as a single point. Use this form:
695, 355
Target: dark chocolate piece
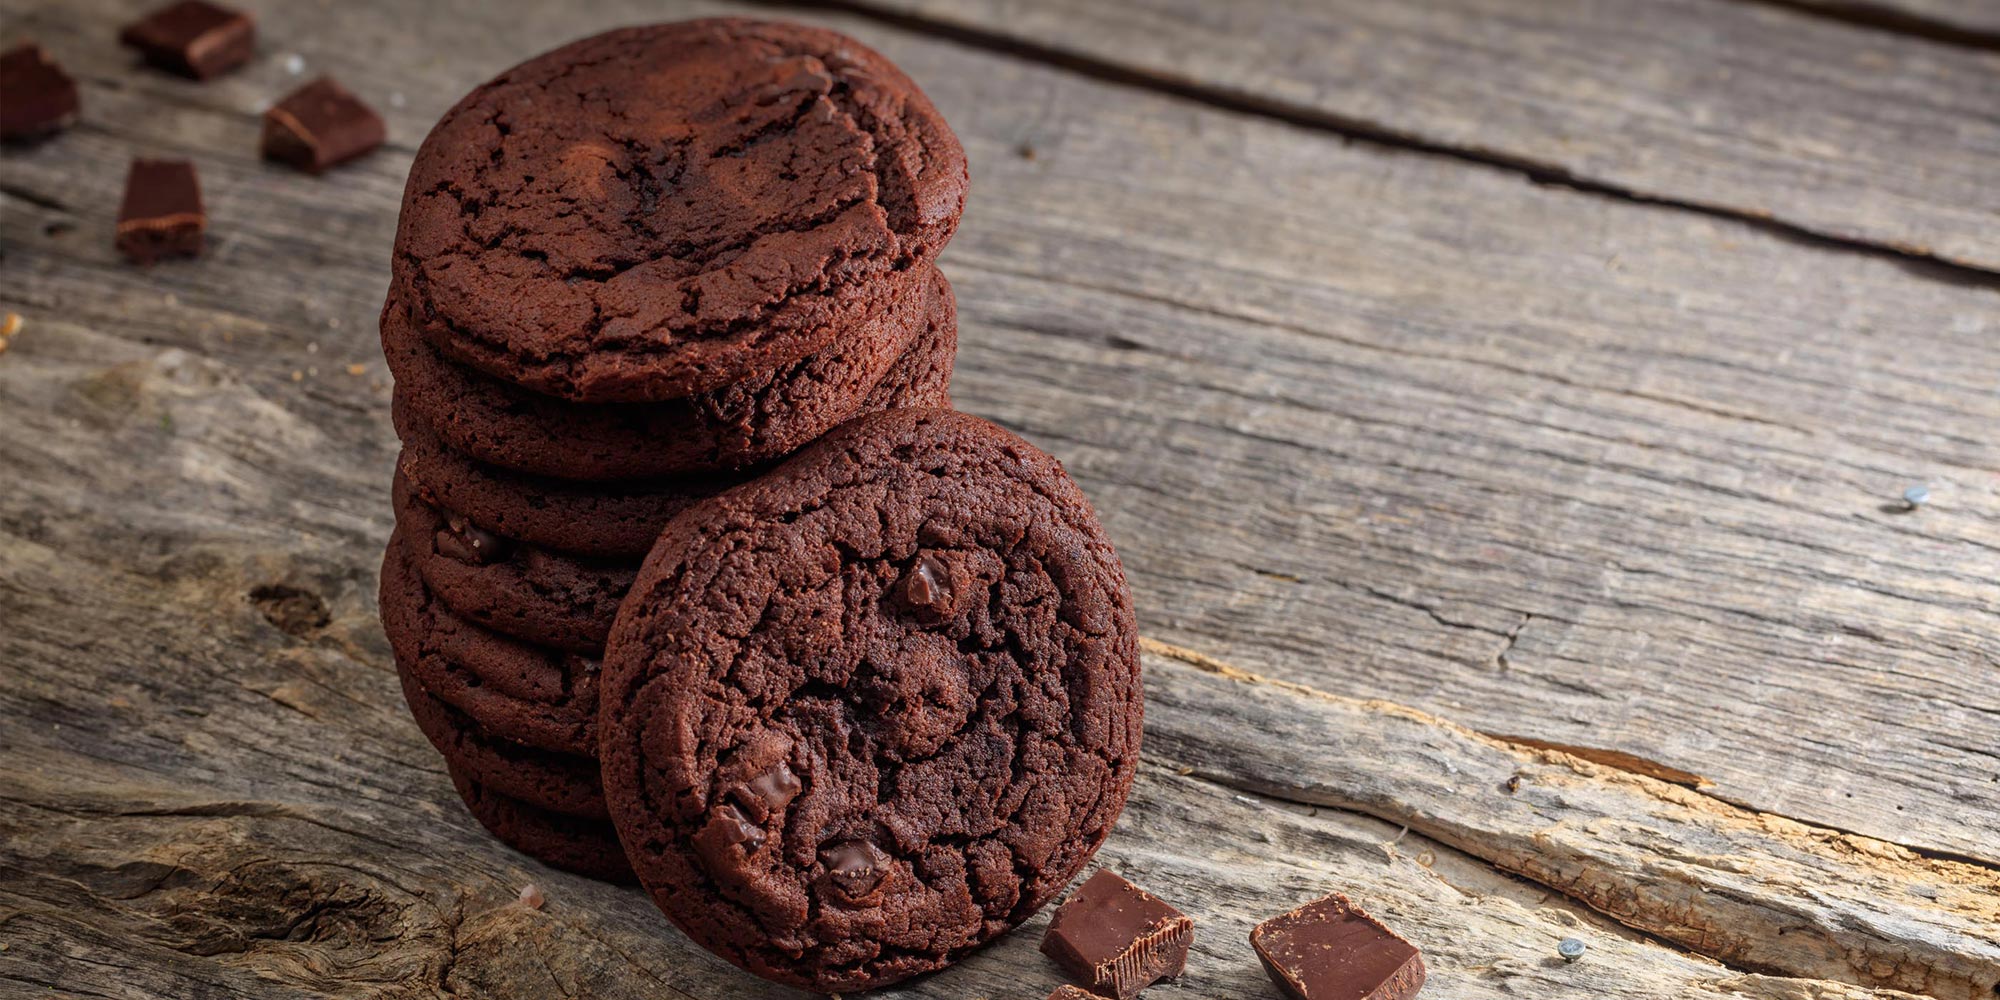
161, 215
1329, 949
40, 97
193, 38
469, 543
321, 124
1117, 938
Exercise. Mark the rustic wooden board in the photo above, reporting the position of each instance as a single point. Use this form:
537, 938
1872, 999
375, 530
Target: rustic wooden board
1745, 108
1550, 464
1533, 460
262, 821
1970, 22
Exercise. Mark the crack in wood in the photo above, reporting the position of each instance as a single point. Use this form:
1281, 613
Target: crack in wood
1362, 130
1760, 892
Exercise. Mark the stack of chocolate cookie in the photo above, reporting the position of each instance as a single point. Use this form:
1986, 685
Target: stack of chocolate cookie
631, 274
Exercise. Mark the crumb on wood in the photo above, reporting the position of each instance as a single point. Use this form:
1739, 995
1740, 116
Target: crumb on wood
298, 376
11, 325
531, 896
357, 368
1027, 151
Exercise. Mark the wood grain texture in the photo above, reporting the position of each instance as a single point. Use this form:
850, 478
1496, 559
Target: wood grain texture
263, 821
1607, 474
1753, 110
1550, 464
1753, 890
1979, 18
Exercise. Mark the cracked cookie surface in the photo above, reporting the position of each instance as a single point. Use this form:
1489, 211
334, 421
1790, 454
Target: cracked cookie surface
871, 710
744, 424
660, 211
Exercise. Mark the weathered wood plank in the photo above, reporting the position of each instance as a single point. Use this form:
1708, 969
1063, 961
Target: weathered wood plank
1976, 17
1753, 890
1751, 109
1564, 468
1376, 423
262, 821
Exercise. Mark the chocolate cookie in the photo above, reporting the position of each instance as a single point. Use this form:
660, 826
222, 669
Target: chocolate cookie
868, 711
603, 520
508, 688
545, 597
557, 782
572, 843
743, 424
661, 211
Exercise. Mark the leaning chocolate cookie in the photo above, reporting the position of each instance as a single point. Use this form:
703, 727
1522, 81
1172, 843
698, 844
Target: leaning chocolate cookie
863, 714
657, 212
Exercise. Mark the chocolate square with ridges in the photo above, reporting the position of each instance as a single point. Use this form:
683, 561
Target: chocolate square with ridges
320, 125
1329, 949
161, 215
194, 39
1116, 938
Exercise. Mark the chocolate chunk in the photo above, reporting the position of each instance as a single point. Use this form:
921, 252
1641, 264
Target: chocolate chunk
720, 838
40, 97
469, 543
854, 868
194, 39
928, 583
1329, 949
768, 792
320, 125
161, 215
1117, 938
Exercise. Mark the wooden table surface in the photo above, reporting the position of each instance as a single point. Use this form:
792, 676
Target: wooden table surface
1501, 408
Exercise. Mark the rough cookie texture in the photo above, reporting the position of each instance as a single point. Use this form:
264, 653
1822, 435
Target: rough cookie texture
604, 520
737, 426
572, 843
515, 691
545, 597
865, 713
557, 782
660, 211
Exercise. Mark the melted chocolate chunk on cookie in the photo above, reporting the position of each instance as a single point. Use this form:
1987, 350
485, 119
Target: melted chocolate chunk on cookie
469, 543
854, 868
867, 712
661, 211
767, 793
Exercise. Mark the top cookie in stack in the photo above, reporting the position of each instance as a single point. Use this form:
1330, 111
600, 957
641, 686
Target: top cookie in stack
662, 212
629, 274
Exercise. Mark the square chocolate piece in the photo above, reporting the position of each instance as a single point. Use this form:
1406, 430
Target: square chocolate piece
1117, 938
1329, 949
39, 97
193, 38
161, 215
319, 125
